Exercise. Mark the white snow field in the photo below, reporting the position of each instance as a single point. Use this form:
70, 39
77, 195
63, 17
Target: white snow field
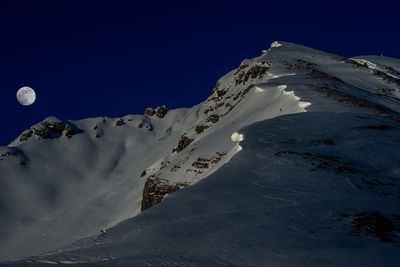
294, 160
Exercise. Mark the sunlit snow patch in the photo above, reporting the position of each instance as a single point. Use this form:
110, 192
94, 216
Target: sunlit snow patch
288, 92
237, 137
304, 104
275, 76
366, 62
372, 66
276, 44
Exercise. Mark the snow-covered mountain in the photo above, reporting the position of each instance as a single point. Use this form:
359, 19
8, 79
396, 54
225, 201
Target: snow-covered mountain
294, 160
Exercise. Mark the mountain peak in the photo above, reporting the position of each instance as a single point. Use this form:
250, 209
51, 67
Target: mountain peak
283, 124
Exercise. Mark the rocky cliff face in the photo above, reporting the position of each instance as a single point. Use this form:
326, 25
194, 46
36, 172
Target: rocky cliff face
156, 189
50, 128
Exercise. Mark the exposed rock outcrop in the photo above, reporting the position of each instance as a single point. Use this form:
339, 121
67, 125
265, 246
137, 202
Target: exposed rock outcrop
12, 153
147, 125
200, 128
159, 112
156, 189
205, 163
119, 122
213, 118
201, 163
25, 135
50, 128
376, 225
149, 112
256, 71
183, 143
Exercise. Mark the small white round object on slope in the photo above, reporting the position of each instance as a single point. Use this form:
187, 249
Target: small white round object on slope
237, 137
26, 96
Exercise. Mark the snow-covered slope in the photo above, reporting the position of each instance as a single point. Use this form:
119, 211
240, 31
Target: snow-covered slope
316, 174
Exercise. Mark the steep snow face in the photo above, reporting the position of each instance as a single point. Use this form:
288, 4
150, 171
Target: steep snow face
286, 199
65, 180
69, 188
71, 179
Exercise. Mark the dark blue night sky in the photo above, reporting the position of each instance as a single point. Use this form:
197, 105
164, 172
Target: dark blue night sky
112, 58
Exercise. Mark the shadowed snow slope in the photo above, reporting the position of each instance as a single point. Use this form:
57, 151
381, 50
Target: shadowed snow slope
315, 188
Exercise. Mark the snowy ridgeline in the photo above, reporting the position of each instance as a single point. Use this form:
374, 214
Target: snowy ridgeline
300, 151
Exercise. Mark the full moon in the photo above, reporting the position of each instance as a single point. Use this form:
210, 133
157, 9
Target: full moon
26, 96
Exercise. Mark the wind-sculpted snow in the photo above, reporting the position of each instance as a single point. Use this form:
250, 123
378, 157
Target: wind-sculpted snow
268, 208
292, 161
237, 137
382, 60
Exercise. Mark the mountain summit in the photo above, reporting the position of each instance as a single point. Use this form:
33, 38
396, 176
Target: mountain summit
293, 160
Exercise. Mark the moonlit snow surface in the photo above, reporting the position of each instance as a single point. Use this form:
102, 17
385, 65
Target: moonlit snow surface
26, 96
321, 155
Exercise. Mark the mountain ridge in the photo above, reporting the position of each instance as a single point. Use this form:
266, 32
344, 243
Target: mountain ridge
74, 193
